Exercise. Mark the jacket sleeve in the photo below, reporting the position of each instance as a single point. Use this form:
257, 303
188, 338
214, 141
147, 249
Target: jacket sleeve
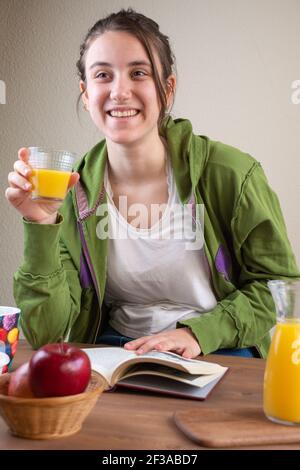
46, 282
261, 246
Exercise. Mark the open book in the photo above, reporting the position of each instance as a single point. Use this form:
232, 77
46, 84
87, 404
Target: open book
162, 372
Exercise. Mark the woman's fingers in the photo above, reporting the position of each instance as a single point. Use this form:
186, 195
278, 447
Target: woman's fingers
136, 343
14, 195
179, 351
188, 353
16, 180
23, 154
181, 340
148, 343
140, 345
22, 168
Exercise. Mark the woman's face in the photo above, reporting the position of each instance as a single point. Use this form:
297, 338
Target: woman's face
120, 92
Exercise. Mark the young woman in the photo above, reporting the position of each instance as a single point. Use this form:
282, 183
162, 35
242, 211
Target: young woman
95, 272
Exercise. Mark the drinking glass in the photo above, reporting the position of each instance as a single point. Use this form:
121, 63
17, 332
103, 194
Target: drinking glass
51, 171
9, 336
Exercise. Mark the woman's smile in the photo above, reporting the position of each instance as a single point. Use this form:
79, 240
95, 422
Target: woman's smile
123, 113
123, 116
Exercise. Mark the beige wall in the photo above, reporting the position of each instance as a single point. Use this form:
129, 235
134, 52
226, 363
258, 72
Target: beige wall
236, 62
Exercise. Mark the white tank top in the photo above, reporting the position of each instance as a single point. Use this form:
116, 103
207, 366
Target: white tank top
153, 281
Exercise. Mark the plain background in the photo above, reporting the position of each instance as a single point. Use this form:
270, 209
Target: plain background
236, 63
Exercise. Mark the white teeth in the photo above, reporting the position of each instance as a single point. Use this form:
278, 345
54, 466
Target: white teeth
131, 112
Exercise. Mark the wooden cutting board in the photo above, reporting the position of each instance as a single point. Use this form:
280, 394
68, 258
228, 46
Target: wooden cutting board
233, 428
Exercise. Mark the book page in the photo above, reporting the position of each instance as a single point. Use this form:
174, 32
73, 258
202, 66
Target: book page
113, 362
193, 366
106, 360
172, 360
163, 371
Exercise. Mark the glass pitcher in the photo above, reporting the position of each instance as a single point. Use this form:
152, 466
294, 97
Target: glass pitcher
282, 373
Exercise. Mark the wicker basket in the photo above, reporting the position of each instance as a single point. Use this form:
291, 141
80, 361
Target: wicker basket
48, 418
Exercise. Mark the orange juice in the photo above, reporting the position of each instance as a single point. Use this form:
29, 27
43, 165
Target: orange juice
49, 184
282, 374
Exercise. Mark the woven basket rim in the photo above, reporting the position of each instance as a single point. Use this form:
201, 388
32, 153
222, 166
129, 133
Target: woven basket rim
50, 401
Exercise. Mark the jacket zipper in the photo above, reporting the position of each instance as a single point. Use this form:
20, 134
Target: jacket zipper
89, 263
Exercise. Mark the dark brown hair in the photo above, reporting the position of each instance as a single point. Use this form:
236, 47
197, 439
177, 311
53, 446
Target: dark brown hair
147, 32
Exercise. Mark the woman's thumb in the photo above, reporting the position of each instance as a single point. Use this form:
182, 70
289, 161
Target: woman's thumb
74, 178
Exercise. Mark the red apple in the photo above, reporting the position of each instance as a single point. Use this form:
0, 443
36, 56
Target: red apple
59, 369
19, 385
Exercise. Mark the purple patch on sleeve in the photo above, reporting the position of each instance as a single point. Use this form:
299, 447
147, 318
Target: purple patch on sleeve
223, 262
85, 275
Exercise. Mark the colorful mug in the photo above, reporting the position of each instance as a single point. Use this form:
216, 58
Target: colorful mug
9, 336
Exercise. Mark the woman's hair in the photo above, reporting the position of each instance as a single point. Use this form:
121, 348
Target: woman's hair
148, 33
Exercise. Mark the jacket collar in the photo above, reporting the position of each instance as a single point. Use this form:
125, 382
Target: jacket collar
188, 152
89, 191
188, 155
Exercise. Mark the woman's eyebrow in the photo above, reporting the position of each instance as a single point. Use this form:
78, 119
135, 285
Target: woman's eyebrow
130, 64
139, 62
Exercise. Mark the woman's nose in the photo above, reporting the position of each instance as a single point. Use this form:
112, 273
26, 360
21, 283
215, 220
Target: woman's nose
120, 91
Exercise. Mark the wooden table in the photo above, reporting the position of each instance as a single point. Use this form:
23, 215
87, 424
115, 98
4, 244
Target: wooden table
128, 420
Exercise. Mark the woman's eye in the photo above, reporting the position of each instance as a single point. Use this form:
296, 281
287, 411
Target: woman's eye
101, 75
139, 73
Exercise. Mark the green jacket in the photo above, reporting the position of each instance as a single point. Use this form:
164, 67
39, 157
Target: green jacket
60, 285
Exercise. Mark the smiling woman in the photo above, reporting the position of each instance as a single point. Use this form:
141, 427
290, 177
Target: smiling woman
159, 59
145, 289
120, 90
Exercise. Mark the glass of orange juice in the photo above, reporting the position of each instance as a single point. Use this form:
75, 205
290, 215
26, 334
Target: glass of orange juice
51, 171
282, 372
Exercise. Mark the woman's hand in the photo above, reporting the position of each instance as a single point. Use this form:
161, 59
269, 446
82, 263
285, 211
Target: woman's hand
18, 193
181, 341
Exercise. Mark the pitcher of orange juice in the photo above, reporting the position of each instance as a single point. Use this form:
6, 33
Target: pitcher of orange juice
282, 373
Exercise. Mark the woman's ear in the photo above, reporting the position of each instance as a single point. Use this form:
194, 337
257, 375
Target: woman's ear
84, 94
170, 89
